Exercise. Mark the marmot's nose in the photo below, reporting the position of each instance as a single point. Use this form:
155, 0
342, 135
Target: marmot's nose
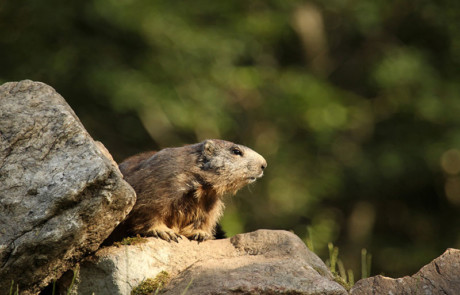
264, 165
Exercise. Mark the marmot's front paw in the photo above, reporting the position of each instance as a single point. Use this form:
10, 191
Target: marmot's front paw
165, 233
200, 236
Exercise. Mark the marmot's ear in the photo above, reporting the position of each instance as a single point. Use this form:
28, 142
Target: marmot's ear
209, 147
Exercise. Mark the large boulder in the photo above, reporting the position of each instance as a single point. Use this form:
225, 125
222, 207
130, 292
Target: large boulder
440, 276
261, 262
61, 194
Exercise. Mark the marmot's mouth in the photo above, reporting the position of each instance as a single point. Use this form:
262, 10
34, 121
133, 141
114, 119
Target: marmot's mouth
254, 178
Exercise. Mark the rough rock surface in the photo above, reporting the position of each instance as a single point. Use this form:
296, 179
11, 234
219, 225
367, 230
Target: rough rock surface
441, 276
260, 262
60, 195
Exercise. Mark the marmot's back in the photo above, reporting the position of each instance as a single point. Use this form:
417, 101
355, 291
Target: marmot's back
179, 190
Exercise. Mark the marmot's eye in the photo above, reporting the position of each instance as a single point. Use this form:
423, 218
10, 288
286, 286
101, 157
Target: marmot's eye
237, 151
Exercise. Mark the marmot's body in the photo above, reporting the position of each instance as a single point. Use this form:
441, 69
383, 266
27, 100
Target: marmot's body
179, 190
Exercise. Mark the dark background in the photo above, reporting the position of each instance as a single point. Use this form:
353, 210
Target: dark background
354, 104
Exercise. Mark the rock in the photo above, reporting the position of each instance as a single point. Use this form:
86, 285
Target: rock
60, 196
261, 262
440, 276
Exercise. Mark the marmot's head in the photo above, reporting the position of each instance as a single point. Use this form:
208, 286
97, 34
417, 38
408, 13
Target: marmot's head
232, 164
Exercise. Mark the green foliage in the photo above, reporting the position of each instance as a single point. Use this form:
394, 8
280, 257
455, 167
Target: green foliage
76, 271
354, 105
186, 288
344, 278
351, 277
12, 290
333, 255
151, 286
131, 241
366, 259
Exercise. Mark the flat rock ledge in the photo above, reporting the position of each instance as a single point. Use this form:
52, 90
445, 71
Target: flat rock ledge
260, 262
61, 194
441, 276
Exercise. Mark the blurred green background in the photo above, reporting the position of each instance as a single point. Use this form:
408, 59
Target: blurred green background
354, 104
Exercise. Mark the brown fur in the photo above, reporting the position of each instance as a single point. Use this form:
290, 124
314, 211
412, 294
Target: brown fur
179, 190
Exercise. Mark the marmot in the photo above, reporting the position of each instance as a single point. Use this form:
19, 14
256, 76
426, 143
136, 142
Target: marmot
179, 190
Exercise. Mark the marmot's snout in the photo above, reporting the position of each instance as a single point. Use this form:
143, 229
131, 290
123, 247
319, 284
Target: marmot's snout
263, 165
257, 165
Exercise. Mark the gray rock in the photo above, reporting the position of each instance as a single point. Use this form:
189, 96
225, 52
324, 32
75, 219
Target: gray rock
60, 194
441, 276
261, 262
